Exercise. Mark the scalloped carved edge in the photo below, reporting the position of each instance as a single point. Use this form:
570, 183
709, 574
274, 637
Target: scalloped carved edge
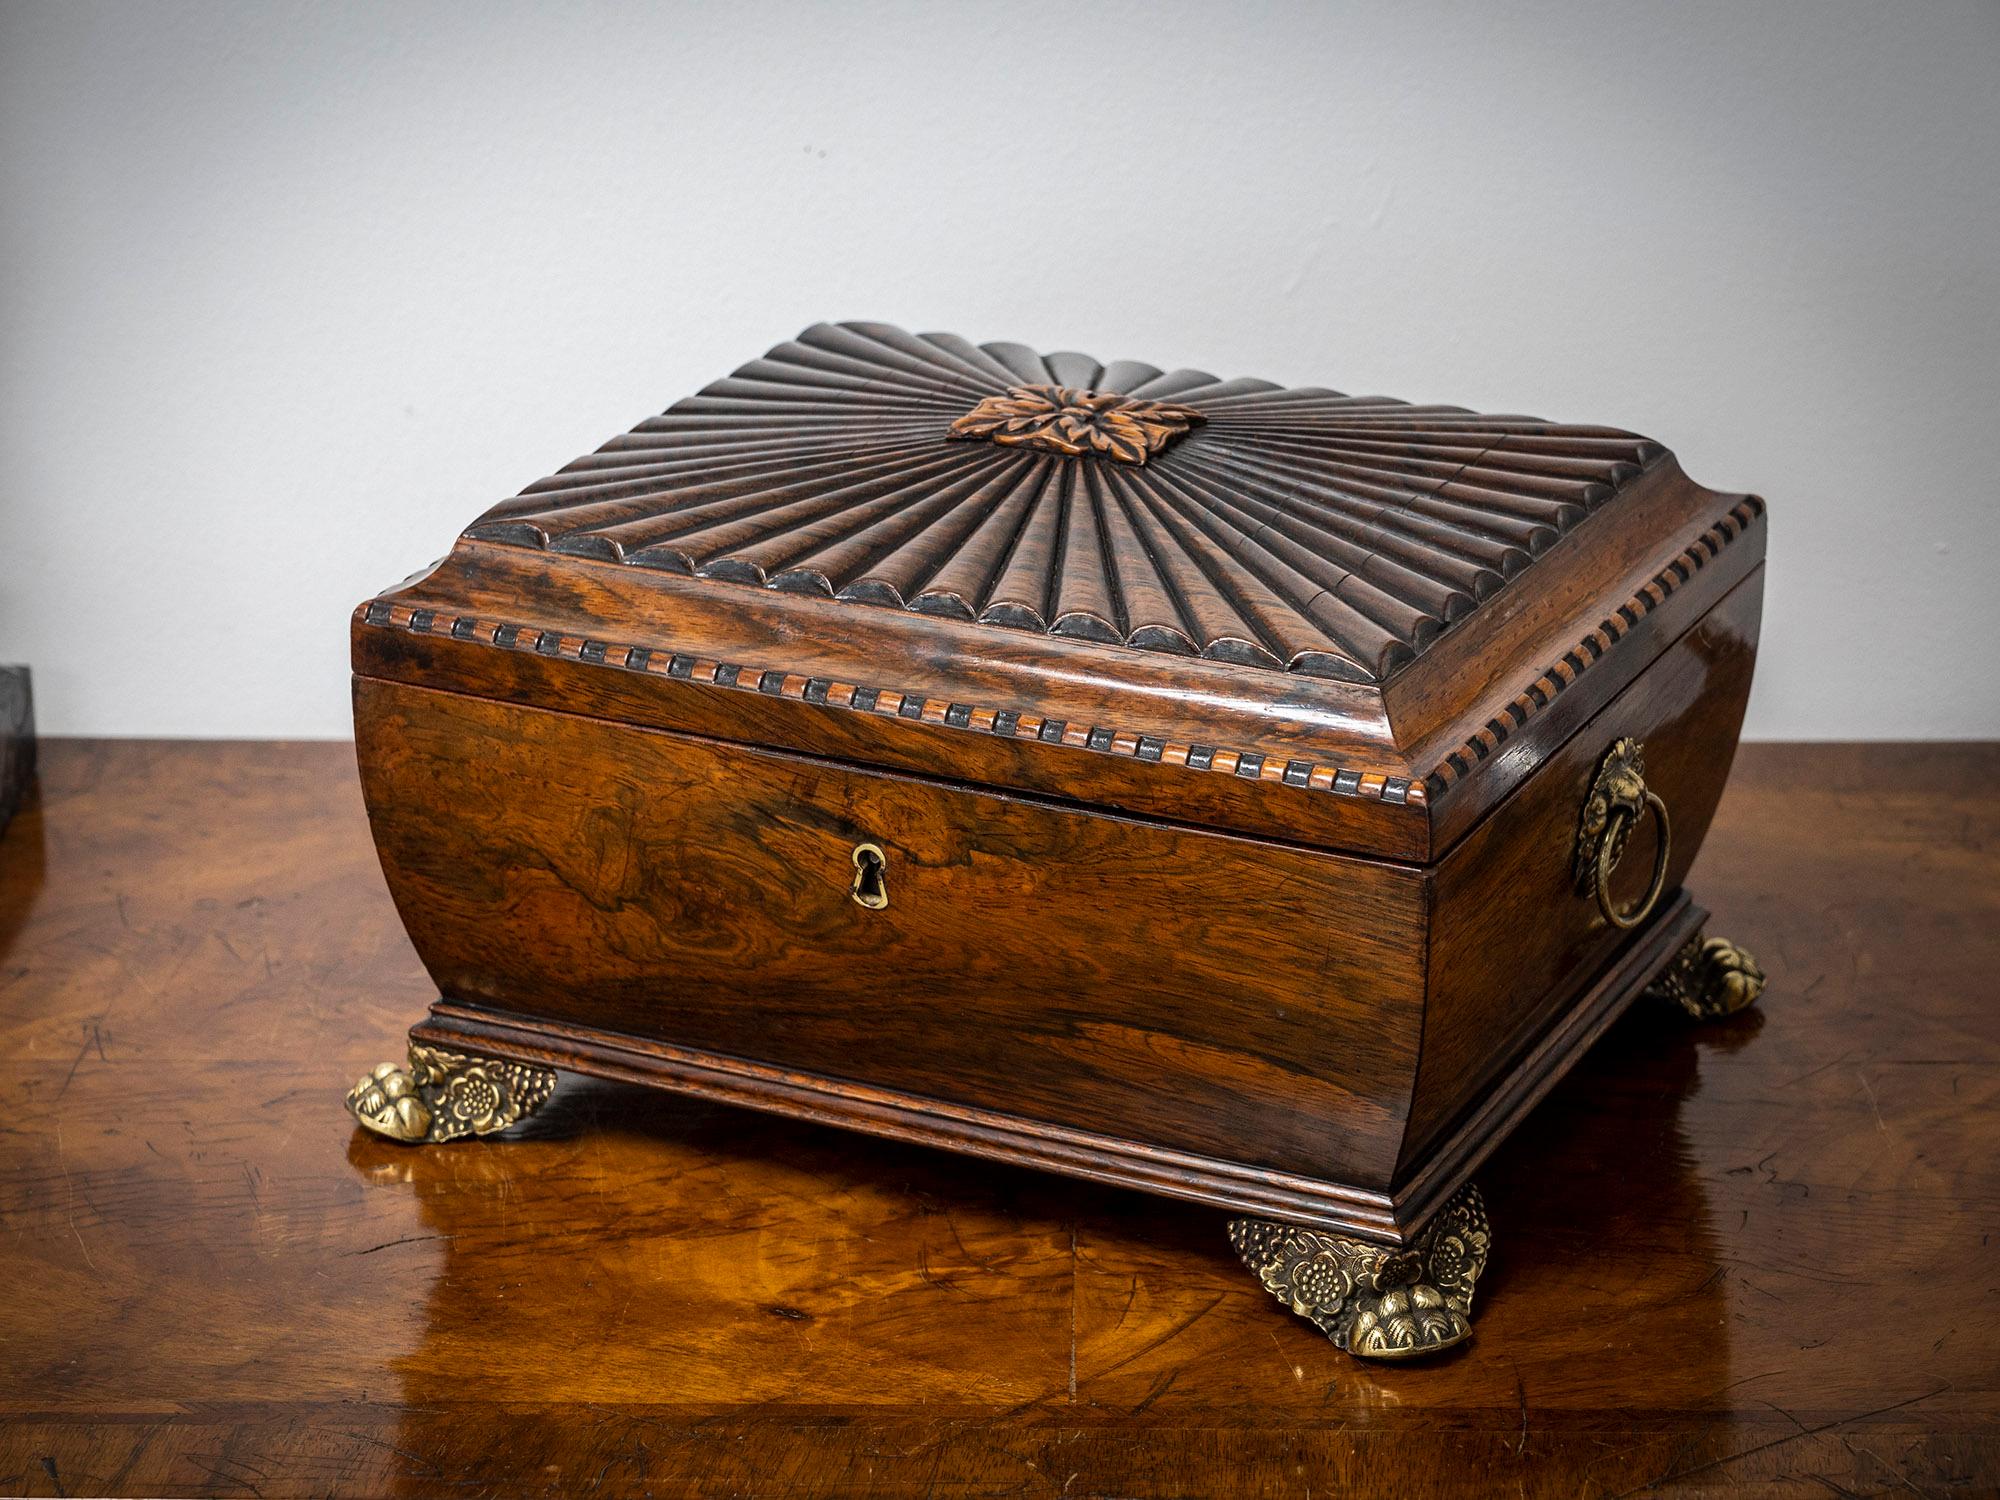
1006, 723
1543, 690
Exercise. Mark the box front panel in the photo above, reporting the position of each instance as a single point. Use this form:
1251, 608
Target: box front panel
1219, 995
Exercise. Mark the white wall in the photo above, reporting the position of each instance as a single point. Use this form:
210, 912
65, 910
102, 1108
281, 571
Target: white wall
288, 293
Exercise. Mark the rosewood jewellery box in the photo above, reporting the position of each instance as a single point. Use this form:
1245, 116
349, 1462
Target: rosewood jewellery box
1252, 795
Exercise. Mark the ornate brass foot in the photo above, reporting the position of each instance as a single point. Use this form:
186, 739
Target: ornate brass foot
1709, 978
1373, 1301
441, 1096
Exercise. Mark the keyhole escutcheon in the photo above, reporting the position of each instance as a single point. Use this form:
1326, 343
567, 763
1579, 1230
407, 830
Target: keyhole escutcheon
871, 877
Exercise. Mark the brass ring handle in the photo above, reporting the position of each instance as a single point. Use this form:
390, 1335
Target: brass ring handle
1617, 802
1613, 845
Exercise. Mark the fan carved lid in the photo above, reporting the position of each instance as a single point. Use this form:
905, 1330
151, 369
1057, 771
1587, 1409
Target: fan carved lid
1293, 529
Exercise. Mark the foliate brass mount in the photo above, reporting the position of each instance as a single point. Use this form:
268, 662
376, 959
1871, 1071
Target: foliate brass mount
1070, 420
1618, 799
441, 1096
1709, 978
870, 887
1371, 1300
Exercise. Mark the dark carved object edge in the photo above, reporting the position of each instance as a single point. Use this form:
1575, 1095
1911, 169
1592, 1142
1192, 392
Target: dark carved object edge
17, 739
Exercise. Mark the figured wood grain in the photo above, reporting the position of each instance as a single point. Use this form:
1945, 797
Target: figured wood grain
1511, 935
1754, 1256
1143, 1003
1242, 1000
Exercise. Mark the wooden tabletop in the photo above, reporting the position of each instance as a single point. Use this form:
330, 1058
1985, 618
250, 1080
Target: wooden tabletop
1765, 1253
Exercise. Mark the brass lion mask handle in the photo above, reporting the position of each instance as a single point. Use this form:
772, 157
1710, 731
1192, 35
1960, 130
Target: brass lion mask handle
1619, 798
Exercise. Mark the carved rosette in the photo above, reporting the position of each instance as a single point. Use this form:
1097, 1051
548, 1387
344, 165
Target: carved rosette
442, 1096
1709, 978
1065, 419
1371, 1300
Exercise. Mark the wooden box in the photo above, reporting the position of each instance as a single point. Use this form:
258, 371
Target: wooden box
1253, 795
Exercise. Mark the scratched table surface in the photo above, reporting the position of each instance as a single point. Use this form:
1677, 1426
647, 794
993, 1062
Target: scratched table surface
1762, 1255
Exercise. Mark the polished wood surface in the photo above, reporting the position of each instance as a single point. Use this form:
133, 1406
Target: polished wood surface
1235, 1021
637, 871
1312, 616
1511, 932
1760, 1253
1303, 530
1121, 978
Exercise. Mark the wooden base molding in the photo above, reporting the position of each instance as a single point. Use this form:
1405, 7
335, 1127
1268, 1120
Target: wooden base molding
456, 1033
1384, 1275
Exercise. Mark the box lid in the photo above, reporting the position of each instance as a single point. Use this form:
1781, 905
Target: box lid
1287, 611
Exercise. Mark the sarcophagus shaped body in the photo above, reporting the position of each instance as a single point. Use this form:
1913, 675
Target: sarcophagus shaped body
1255, 795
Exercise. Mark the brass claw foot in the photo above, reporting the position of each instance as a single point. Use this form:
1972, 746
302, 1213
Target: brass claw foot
1371, 1300
441, 1096
1709, 979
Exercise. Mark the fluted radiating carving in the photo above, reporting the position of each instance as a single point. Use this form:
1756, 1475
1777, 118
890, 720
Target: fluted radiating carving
1289, 528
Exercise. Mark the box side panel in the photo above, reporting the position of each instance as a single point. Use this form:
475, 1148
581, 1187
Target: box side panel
1513, 937
1201, 992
